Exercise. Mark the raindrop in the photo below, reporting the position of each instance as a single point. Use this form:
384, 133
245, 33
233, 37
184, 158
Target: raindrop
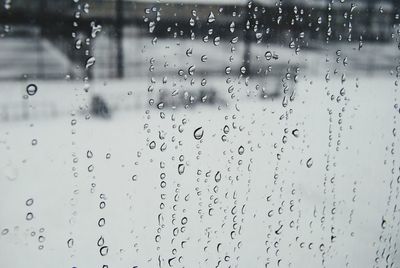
295, 133
90, 62
211, 17
70, 243
184, 220
181, 169
218, 177
241, 150
191, 70
100, 242
41, 238
198, 133
189, 52
152, 145
31, 89
104, 250
217, 40
101, 222
90, 168
29, 216
226, 129
268, 55
29, 202
78, 44
309, 162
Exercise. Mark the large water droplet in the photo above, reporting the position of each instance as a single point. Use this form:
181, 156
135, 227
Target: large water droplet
198, 133
31, 89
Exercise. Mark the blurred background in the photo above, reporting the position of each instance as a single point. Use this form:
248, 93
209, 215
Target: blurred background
48, 39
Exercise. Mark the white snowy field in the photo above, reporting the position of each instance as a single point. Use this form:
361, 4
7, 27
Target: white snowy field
311, 182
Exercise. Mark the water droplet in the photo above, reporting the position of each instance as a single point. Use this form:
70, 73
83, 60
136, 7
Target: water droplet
70, 243
181, 169
78, 44
241, 150
90, 168
217, 40
268, 55
31, 89
218, 177
184, 220
104, 250
211, 17
100, 242
29, 202
191, 70
29, 216
101, 222
198, 133
295, 133
309, 162
152, 145
90, 62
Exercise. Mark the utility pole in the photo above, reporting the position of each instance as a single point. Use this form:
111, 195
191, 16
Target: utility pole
40, 37
370, 17
395, 12
247, 37
119, 36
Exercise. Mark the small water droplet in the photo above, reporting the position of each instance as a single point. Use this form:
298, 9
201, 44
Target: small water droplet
152, 145
181, 169
29, 202
4, 231
309, 162
90, 62
70, 243
29, 216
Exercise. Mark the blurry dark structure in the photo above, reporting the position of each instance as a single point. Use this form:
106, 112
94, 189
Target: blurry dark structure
62, 23
99, 107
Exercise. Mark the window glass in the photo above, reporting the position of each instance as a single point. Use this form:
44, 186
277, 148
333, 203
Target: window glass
199, 133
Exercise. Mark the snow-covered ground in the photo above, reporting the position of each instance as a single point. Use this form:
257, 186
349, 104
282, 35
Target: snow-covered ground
307, 178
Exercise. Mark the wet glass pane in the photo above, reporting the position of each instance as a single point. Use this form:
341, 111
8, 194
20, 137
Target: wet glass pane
199, 133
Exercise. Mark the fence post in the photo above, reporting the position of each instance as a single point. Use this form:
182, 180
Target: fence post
119, 31
247, 38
